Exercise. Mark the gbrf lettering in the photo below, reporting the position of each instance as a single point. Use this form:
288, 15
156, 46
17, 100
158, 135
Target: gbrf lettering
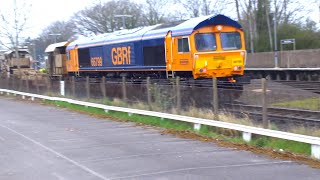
120, 55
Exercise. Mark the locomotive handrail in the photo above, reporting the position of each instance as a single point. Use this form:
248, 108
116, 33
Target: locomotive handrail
247, 130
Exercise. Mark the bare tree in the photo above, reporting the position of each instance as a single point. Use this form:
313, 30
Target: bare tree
14, 23
191, 6
252, 25
155, 11
203, 7
206, 7
65, 30
214, 6
267, 4
290, 10
238, 9
101, 17
93, 20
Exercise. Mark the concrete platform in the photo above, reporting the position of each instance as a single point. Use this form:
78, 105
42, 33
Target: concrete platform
41, 142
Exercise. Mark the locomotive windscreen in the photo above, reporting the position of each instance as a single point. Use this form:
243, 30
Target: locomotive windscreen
154, 56
84, 57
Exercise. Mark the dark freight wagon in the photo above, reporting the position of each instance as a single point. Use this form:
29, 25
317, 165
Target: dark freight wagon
56, 62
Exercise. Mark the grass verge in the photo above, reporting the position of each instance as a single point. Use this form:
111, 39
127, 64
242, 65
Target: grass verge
147, 120
309, 104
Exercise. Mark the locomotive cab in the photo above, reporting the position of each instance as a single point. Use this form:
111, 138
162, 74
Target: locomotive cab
214, 48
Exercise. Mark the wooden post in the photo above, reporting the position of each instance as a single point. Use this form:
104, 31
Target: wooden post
7, 83
37, 84
124, 89
215, 98
9, 86
48, 85
264, 104
13, 82
178, 94
149, 93
103, 87
88, 87
27, 84
20, 84
73, 86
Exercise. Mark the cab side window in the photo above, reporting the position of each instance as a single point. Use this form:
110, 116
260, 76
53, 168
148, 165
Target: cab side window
183, 45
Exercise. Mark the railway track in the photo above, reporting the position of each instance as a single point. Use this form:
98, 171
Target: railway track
283, 115
313, 86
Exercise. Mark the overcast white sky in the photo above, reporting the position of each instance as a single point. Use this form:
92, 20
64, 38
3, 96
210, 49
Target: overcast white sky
44, 12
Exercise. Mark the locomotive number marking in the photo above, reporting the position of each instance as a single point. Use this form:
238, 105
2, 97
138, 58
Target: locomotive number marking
121, 55
96, 61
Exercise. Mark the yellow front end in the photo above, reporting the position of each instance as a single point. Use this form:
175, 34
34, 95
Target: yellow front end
220, 64
218, 52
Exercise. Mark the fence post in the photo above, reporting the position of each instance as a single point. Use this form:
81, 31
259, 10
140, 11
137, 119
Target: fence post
7, 82
88, 87
62, 86
48, 85
315, 151
20, 84
103, 87
178, 94
37, 84
73, 86
124, 89
215, 98
27, 84
264, 104
197, 127
13, 82
149, 93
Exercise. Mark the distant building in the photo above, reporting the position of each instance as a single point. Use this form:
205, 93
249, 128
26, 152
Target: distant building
11, 62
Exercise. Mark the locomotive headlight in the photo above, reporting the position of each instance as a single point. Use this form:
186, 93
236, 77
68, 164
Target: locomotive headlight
204, 70
219, 28
237, 68
196, 57
242, 54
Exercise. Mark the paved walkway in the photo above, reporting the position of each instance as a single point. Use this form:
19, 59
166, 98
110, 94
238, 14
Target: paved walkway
41, 142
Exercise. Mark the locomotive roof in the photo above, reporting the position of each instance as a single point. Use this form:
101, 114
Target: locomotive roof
52, 47
181, 28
